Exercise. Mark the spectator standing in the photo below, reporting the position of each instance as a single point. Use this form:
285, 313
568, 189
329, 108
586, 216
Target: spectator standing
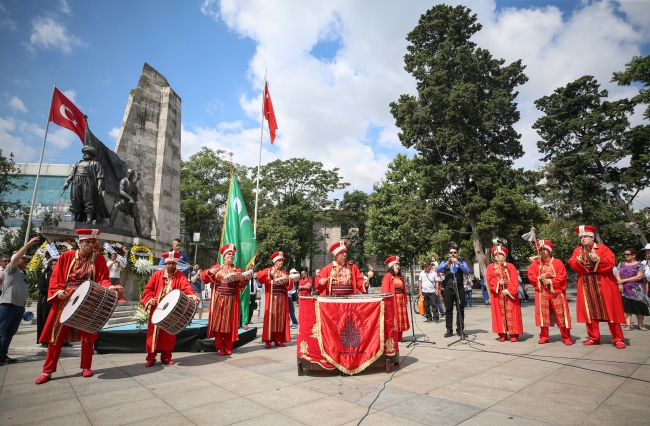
197, 286
42, 306
439, 301
185, 261
292, 307
114, 269
485, 293
3, 264
646, 265
305, 284
313, 287
453, 292
253, 299
428, 286
467, 283
13, 299
630, 282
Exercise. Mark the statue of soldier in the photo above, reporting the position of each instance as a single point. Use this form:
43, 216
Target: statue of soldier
128, 202
87, 178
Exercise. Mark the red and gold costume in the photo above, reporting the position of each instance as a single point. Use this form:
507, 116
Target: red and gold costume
72, 270
223, 323
598, 297
551, 307
506, 306
395, 285
342, 279
160, 285
276, 299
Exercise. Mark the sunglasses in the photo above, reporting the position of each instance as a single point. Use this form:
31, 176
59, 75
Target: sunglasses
628, 254
453, 252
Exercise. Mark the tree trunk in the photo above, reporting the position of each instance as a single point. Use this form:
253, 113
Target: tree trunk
628, 213
478, 247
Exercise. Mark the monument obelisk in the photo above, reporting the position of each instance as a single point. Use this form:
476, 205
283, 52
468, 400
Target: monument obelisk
150, 142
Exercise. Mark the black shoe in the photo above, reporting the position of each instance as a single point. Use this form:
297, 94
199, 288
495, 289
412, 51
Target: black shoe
436, 320
449, 333
67, 345
7, 360
43, 345
427, 320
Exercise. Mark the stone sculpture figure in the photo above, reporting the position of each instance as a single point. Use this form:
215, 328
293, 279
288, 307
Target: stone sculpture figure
128, 201
87, 178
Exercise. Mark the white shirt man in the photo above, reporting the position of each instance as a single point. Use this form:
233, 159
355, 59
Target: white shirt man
427, 283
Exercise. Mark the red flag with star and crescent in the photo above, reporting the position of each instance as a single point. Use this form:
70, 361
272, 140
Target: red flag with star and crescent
64, 113
269, 114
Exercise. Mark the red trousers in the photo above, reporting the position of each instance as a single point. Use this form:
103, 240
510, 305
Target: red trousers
593, 331
54, 352
276, 336
565, 332
164, 356
223, 341
506, 335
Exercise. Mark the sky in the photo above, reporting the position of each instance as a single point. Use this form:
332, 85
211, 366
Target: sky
333, 68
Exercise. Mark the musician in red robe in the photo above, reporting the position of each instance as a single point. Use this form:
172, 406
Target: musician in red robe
73, 269
502, 281
160, 284
395, 284
223, 323
548, 275
599, 299
276, 283
341, 277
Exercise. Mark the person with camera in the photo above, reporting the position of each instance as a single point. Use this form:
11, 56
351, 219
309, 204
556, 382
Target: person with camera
453, 291
428, 286
197, 286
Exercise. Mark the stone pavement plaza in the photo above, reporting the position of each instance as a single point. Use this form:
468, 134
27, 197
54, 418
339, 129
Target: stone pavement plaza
470, 385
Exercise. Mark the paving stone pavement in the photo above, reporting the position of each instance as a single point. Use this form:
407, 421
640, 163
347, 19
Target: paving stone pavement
499, 384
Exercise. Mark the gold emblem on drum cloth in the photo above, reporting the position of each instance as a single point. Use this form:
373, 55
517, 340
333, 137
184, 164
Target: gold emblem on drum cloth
390, 346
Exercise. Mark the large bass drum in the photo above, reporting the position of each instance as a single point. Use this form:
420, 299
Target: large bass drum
89, 307
174, 312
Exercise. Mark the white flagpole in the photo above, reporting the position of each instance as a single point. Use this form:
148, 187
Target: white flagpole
259, 161
38, 174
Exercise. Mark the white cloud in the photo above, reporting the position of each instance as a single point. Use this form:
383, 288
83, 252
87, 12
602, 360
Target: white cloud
8, 24
64, 7
114, 133
337, 110
12, 143
72, 95
17, 105
49, 34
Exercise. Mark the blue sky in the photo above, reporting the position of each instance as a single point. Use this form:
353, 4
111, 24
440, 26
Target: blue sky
333, 68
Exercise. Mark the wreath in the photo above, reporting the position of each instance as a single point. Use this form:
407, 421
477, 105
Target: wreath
42, 255
141, 259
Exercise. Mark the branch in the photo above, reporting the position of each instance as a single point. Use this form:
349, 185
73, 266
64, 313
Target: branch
451, 215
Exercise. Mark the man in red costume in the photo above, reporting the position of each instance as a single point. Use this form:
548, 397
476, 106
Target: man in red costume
73, 268
223, 323
598, 297
276, 283
159, 285
340, 278
395, 284
502, 280
548, 275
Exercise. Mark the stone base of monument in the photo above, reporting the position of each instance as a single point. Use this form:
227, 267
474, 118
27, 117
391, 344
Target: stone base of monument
128, 280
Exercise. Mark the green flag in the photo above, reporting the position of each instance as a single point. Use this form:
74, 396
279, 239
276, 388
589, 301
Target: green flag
238, 230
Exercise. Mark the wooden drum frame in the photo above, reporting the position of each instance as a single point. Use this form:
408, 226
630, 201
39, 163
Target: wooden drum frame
90, 307
174, 312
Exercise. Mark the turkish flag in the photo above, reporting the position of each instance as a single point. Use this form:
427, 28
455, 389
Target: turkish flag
351, 332
269, 114
64, 113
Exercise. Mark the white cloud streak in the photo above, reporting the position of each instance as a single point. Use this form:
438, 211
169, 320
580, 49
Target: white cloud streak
48, 34
17, 105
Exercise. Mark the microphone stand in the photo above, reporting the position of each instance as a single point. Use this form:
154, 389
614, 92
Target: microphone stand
461, 316
414, 340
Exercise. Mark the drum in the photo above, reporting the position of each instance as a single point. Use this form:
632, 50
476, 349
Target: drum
247, 275
174, 312
233, 276
89, 307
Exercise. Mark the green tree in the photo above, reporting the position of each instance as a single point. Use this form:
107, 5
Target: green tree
399, 221
461, 124
585, 141
13, 240
637, 71
50, 220
9, 184
205, 181
293, 181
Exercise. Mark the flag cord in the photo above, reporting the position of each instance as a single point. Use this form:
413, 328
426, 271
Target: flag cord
38, 174
259, 161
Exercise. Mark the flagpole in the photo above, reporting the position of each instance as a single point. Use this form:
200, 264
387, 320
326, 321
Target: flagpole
38, 174
259, 161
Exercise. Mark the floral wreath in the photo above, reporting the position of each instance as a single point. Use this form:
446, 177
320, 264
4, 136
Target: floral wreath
140, 259
42, 255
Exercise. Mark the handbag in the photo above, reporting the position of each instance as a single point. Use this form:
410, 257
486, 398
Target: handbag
421, 305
